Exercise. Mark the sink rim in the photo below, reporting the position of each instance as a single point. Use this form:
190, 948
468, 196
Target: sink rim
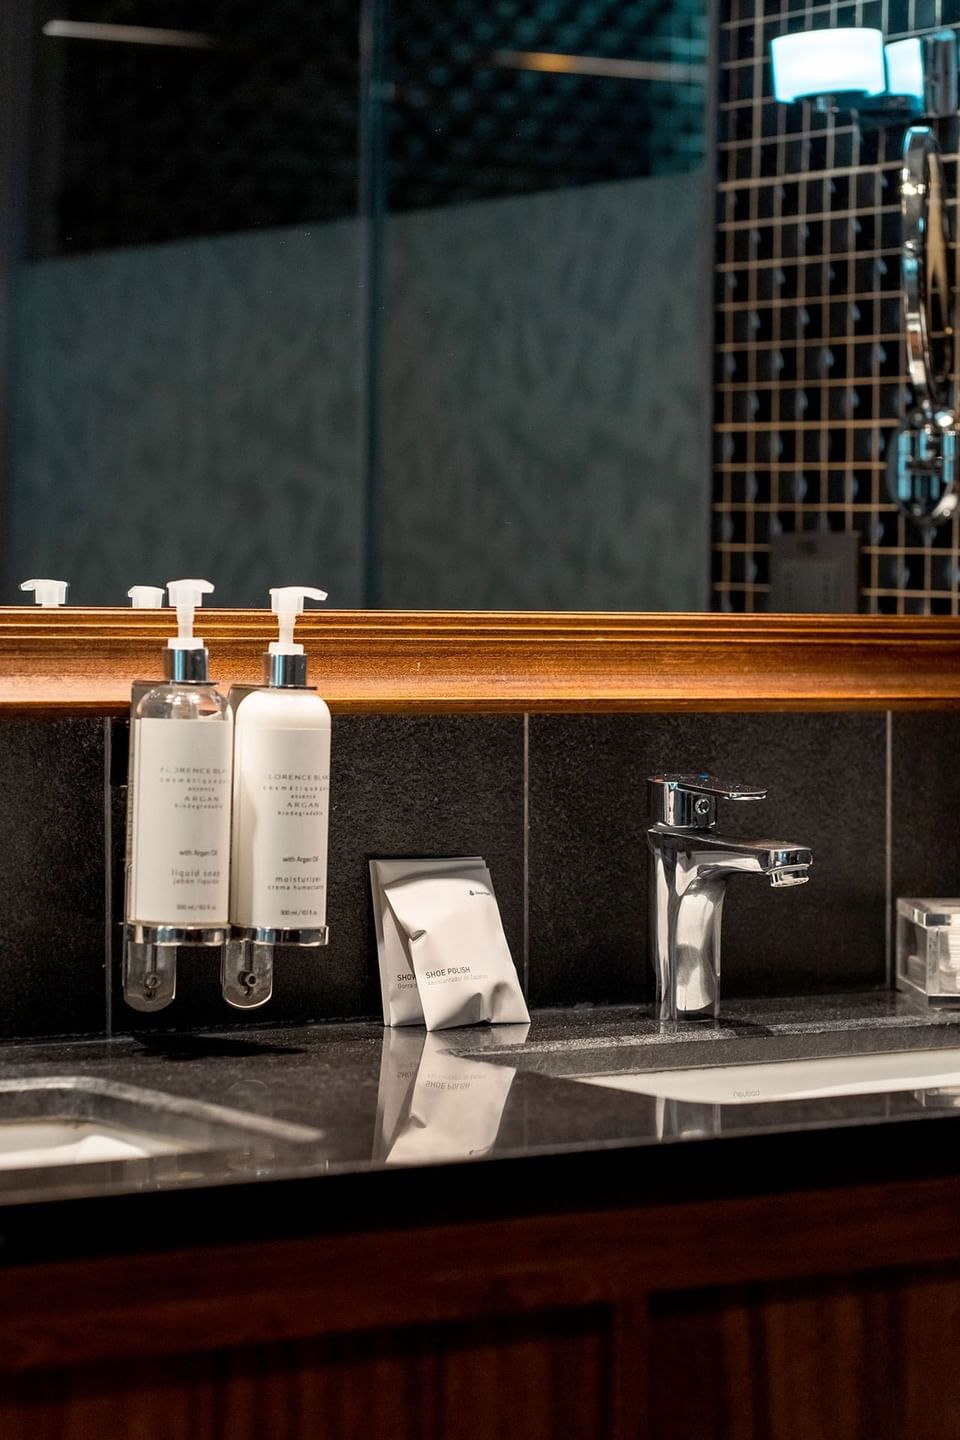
153, 1106
931, 1069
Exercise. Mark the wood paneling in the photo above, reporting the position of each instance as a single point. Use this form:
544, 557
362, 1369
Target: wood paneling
830, 1313
127, 1307
841, 1359
547, 1377
77, 660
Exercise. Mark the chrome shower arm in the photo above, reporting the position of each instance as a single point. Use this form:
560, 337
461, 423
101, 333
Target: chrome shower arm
923, 455
923, 259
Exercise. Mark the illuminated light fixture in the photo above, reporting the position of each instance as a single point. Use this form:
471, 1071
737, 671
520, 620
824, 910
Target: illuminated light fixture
904, 61
128, 34
852, 69
828, 63
555, 64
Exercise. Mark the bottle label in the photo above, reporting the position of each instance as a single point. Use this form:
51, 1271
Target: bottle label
282, 793
181, 823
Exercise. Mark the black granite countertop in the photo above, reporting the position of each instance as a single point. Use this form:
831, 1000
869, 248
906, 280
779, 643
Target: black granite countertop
403, 1128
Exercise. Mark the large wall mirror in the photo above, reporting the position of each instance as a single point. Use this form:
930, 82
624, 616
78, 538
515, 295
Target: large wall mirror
407, 298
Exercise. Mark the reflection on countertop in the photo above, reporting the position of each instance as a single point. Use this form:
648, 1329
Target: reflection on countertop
388, 1103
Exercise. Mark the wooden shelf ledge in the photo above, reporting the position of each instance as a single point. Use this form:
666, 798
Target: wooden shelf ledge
83, 660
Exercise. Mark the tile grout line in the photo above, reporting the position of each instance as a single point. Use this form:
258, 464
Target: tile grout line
888, 856
107, 879
526, 853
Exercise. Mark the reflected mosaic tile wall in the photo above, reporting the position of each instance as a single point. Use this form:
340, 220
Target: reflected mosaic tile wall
810, 371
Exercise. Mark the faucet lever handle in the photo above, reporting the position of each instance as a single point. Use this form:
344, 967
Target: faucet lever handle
691, 800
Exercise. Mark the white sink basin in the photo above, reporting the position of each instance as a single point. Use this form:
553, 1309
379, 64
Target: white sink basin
71, 1121
794, 1079
25, 1145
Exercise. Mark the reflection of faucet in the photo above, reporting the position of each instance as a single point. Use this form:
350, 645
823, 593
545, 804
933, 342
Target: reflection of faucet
689, 870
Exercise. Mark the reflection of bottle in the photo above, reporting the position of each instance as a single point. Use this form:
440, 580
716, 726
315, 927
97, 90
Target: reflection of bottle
50, 594
178, 874
146, 597
281, 792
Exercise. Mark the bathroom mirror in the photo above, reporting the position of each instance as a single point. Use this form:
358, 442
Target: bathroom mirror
405, 299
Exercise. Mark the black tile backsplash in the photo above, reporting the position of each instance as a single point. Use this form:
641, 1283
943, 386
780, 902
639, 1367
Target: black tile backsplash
424, 785
587, 815
458, 784
588, 861
926, 825
52, 891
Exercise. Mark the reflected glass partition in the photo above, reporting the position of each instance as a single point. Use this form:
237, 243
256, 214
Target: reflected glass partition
186, 349
544, 390
406, 299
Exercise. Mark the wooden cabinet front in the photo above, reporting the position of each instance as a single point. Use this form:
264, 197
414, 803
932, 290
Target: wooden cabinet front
798, 1315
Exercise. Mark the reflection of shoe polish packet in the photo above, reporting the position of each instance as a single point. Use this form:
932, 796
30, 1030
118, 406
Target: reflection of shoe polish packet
399, 1063
398, 985
454, 1110
458, 951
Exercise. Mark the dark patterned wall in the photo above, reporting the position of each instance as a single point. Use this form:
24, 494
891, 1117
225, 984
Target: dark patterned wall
810, 372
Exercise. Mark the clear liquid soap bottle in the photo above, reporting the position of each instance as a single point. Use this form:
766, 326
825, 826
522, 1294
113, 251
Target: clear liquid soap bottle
281, 792
178, 865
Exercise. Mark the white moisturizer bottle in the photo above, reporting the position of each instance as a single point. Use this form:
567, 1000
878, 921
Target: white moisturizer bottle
178, 872
281, 794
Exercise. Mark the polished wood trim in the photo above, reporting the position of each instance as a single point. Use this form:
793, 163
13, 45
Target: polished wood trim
77, 660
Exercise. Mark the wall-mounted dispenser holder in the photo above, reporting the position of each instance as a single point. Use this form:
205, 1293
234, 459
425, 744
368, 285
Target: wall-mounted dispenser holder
852, 69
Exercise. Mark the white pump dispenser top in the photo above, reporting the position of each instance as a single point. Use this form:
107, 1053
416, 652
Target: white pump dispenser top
48, 593
287, 602
146, 597
187, 597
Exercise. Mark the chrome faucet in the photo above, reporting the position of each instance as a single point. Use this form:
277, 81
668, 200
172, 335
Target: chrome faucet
689, 870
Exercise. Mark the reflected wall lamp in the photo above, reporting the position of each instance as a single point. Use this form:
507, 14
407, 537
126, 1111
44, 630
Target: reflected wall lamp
853, 70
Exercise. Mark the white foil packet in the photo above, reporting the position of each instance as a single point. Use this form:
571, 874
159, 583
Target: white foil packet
398, 984
458, 952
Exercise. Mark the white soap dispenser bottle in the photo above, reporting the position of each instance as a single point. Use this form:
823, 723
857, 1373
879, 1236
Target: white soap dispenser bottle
178, 875
281, 791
